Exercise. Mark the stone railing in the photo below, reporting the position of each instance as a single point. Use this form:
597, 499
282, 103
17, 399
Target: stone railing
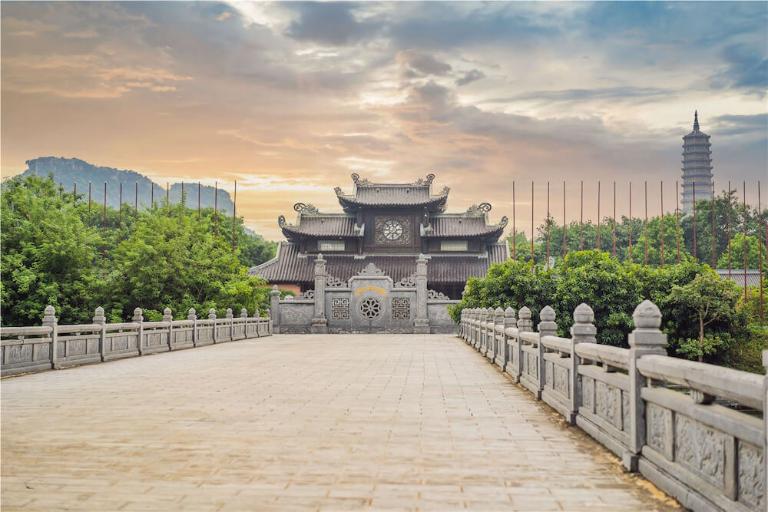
696, 430
31, 349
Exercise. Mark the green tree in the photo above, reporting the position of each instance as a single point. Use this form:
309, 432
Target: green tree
708, 299
738, 245
48, 254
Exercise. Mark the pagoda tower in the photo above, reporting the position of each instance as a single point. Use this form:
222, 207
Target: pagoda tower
697, 166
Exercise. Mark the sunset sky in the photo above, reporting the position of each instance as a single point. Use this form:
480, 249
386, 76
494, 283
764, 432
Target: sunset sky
289, 99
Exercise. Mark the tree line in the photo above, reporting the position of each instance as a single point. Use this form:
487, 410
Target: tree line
721, 234
59, 250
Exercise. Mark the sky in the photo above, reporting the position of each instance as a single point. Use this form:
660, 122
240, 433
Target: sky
290, 98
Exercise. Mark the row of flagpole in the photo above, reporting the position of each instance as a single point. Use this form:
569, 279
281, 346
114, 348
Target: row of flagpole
663, 213
153, 203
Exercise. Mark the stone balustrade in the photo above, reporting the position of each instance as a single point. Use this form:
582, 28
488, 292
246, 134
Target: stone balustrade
696, 430
33, 349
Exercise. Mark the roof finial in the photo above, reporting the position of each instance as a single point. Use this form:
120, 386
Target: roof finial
695, 120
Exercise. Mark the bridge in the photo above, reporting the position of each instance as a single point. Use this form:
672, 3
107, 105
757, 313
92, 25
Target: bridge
293, 422
504, 416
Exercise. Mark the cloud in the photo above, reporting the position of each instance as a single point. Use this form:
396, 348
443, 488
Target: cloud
733, 125
328, 23
470, 76
423, 64
747, 67
628, 93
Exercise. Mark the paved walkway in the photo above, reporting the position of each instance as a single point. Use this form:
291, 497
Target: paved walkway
300, 423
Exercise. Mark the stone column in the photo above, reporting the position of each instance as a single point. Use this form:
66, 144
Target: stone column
192, 315
421, 322
319, 321
274, 309
646, 339
583, 330
50, 320
99, 318
212, 316
168, 317
547, 327
244, 317
524, 324
138, 318
231, 320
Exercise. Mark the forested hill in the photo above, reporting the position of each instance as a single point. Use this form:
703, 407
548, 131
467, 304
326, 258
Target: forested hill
70, 171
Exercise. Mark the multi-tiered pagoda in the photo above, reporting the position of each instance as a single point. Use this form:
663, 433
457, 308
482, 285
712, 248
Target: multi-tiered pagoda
697, 166
388, 225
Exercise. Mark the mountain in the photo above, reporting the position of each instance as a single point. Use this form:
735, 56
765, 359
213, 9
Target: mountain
70, 171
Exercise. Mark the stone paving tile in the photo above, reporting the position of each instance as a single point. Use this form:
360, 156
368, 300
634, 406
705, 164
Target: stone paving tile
338, 422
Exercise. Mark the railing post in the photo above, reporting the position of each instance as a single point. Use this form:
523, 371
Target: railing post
139, 319
274, 309
509, 321
489, 325
168, 317
244, 317
472, 323
192, 315
524, 324
99, 318
258, 322
583, 330
212, 316
498, 322
50, 320
231, 320
547, 327
644, 340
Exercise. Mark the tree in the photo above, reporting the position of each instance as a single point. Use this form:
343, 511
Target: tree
709, 299
738, 245
48, 254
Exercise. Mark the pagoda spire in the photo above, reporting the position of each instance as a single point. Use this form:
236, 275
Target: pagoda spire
695, 120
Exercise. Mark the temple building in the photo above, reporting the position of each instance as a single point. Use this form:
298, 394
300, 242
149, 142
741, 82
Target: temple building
388, 225
697, 166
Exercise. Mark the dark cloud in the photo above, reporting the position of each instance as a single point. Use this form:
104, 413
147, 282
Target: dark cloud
425, 64
743, 125
569, 95
329, 23
747, 68
470, 76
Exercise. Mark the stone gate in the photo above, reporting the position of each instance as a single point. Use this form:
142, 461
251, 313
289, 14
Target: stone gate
368, 302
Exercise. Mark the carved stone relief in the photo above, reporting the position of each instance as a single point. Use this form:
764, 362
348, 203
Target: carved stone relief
340, 308
401, 308
751, 481
700, 448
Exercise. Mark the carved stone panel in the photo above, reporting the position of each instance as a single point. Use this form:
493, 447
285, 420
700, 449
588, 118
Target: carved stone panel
561, 380
401, 308
656, 427
701, 449
751, 480
607, 403
588, 393
340, 308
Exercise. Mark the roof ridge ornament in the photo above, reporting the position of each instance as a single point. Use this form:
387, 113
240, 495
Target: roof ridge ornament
696, 120
307, 208
357, 180
479, 209
425, 181
281, 221
371, 270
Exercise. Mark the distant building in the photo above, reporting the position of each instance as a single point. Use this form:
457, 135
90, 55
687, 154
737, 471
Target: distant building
388, 225
697, 166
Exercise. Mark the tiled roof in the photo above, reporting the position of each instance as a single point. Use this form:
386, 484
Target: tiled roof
323, 225
737, 276
392, 195
463, 225
290, 267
